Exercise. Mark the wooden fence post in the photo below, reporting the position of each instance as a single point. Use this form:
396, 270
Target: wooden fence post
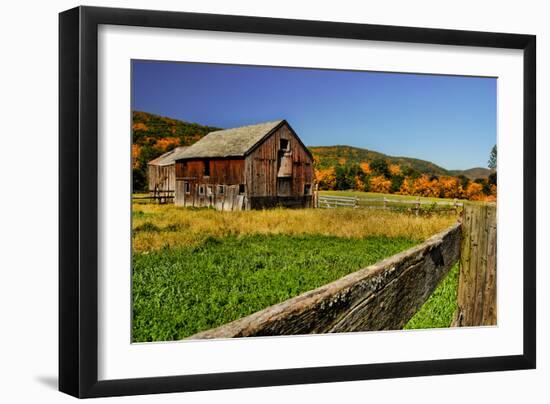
316, 196
477, 280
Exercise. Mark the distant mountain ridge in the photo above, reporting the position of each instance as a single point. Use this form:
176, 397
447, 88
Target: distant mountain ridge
472, 173
330, 156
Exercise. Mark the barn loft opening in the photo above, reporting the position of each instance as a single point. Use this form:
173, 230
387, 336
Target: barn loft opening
206, 168
283, 144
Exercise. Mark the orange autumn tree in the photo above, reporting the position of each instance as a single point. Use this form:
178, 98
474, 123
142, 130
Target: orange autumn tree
140, 126
167, 143
380, 184
136, 149
360, 184
450, 187
395, 169
365, 167
326, 178
474, 192
427, 186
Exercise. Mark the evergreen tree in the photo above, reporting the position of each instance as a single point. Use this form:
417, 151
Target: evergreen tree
492, 163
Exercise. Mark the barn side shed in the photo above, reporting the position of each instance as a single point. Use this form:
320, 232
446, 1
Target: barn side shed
161, 172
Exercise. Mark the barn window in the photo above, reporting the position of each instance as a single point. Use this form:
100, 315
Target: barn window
307, 189
241, 189
283, 144
201, 189
206, 168
186, 187
221, 189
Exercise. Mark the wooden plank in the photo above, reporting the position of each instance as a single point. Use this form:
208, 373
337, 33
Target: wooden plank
477, 279
383, 296
219, 201
228, 202
239, 201
489, 314
481, 266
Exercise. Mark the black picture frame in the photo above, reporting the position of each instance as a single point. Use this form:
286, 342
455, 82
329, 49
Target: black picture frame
78, 201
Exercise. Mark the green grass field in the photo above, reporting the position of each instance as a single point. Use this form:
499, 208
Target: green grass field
438, 311
195, 269
182, 291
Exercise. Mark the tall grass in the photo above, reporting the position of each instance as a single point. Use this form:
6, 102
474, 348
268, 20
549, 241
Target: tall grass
166, 226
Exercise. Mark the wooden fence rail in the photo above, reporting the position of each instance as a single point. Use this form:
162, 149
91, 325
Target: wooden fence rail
383, 296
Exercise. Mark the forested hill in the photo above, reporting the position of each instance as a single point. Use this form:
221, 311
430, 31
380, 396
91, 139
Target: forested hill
473, 173
331, 156
153, 135
148, 128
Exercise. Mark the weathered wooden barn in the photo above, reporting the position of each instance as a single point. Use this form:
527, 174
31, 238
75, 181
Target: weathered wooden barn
250, 167
161, 172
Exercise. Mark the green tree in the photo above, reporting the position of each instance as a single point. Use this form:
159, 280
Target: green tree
343, 180
139, 180
346, 175
396, 182
380, 167
464, 181
411, 173
493, 178
492, 163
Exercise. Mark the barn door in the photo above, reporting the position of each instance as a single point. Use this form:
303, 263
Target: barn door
284, 186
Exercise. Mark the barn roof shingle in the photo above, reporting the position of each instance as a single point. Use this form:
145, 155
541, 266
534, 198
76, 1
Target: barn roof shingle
167, 158
235, 142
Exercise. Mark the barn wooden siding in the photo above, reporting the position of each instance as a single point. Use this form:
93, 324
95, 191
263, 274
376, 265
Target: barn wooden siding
161, 178
261, 171
220, 189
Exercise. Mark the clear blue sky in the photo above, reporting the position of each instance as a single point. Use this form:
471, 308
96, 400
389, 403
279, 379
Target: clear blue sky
449, 120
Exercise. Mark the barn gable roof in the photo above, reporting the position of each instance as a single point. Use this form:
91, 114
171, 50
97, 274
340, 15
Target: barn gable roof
235, 142
167, 158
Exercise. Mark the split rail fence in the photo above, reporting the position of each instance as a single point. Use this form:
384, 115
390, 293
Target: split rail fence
386, 295
160, 196
416, 205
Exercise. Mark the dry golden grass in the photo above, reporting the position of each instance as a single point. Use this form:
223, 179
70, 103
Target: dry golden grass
160, 226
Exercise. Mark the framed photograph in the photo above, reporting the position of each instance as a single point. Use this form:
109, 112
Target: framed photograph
250, 201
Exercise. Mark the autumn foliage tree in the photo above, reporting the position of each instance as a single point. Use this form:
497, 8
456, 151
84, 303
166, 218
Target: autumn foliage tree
379, 176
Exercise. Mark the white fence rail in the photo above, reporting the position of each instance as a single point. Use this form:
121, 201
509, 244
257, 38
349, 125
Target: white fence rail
326, 201
330, 201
